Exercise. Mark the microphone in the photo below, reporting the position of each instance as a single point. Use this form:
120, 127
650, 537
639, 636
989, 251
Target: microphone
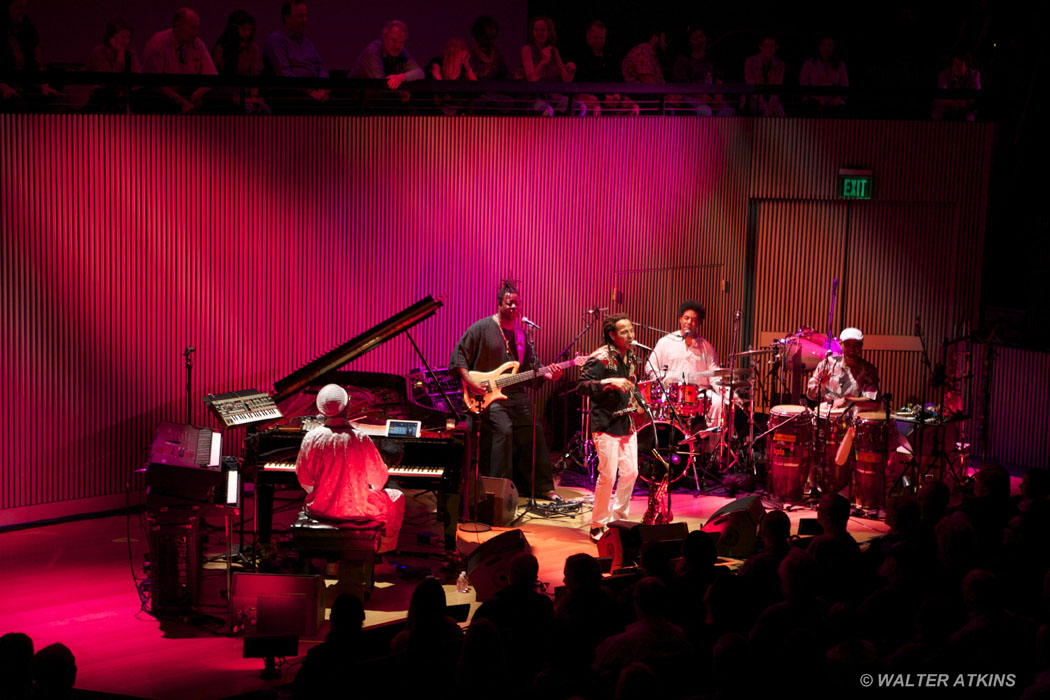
527, 322
686, 333
596, 310
636, 344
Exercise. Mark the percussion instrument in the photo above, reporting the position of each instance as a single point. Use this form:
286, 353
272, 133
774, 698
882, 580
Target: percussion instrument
789, 446
833, 423
668, 435
810, 345
688, 399
869, 481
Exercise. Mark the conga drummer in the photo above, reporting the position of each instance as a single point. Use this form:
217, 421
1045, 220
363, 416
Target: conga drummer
846, 379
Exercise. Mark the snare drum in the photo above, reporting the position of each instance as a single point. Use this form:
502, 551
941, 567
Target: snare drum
789, 446
869, 482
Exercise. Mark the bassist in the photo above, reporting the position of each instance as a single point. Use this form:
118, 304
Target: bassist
507, 425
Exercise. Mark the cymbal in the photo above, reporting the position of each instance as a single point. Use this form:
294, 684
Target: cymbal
760, 351
739, 372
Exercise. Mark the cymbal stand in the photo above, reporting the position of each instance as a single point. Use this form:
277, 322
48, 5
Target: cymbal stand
588, 455
728, 405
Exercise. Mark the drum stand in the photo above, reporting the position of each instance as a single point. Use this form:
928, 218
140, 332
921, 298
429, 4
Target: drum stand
676, 419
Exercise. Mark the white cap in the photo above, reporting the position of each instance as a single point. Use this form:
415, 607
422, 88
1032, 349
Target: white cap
332, 399
851, 334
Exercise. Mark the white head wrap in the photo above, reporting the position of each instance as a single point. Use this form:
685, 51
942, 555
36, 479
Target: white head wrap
331, 400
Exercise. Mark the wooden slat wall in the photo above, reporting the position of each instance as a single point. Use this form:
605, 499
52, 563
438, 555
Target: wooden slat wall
264, 242
1019, 413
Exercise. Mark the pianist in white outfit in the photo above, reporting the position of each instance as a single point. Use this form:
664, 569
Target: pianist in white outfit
343, 473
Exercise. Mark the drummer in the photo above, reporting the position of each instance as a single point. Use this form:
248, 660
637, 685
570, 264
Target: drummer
846, 379
682, 355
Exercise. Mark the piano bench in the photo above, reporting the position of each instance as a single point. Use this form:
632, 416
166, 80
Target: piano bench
352, 544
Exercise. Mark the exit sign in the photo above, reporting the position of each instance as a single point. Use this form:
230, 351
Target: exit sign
855, 184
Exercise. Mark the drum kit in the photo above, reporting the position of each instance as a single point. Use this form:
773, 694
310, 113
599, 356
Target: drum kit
681, 418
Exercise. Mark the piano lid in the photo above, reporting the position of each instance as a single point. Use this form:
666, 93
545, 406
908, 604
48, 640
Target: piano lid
352, 349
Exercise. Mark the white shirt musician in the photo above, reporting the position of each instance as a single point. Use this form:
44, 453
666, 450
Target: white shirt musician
682, 355
838, 380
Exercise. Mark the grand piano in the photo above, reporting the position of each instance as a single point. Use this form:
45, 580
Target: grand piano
433, 460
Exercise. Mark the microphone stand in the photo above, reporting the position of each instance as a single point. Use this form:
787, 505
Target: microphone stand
532, 507
926, 371
675, 420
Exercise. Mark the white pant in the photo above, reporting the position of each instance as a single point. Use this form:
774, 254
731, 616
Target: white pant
615, 453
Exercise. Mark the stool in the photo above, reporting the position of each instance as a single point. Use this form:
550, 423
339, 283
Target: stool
351, 543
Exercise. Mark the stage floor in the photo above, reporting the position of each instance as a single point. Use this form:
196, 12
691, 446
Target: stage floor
72, 583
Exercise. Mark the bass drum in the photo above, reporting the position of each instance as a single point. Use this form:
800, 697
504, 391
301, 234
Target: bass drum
667, 437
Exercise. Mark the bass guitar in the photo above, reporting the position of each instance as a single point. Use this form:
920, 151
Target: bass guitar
506, 375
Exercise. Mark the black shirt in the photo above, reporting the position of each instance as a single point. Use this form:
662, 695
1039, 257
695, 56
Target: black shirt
483, 348
606, 363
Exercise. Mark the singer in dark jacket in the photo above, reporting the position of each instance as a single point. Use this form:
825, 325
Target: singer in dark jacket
608, 379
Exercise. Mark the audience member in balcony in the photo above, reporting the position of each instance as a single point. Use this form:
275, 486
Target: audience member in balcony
452, 64
696, 67
541, 62
825, 69
179, 51
959, 76
387, 58
113, 55
289, 53
237, 53
487, 58
596, 64
642, 63
21, 52
764, 68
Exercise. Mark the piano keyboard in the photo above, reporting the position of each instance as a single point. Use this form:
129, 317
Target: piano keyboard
400, 471
278, 467
409, 471
243, 407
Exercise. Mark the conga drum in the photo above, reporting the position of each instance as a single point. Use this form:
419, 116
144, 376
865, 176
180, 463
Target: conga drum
869, 481
789, 447
833, 424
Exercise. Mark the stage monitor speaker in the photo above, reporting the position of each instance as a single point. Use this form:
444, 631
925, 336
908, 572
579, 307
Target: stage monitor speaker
488, 565
624, 539
497, 502
736, 525
278, 604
